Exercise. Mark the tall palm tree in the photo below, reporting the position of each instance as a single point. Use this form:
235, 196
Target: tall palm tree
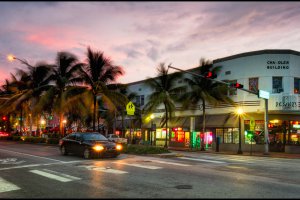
98, 73
63, 89
204, 90
164, 93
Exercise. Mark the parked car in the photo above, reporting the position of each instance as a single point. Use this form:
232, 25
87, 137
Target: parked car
89, 145
115, 138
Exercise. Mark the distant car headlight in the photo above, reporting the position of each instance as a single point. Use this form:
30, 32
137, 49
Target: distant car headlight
119, 147
98, 148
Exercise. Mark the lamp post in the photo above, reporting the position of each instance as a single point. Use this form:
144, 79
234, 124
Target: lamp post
240, 112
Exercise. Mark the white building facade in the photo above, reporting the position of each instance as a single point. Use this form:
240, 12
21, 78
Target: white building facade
274, 71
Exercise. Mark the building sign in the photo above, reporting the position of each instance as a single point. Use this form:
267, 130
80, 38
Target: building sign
130, 108
281, 64
287, 103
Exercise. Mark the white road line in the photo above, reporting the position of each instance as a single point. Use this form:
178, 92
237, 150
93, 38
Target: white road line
31, 155
6, 186
109, 170
170, 163
138, 165
61, 174
104, 169
198, 159
52, 176
37, 165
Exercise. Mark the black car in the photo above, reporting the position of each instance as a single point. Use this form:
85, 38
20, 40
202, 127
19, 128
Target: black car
88, 145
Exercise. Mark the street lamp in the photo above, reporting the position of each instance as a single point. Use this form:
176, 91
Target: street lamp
11, 58
239, 113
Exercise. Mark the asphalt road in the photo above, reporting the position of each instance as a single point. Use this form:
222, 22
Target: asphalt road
39, 171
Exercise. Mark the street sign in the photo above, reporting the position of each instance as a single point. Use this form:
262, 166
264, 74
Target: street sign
130, 108
263, 94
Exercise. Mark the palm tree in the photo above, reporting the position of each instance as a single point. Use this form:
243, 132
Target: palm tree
98, 73
204, 90
164, 93
62, 87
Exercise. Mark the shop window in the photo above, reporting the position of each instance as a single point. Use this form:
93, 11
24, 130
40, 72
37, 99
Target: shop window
277, 84
177, 135
219, 133
227, 136
296, 85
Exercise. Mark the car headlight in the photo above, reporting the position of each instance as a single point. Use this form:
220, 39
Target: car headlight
98, 148
119, 147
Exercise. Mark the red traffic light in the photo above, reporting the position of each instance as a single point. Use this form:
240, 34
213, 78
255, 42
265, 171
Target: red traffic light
4, 118
210, 74
236, 85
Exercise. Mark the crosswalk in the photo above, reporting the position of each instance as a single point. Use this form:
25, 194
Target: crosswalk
123, 167
54, 175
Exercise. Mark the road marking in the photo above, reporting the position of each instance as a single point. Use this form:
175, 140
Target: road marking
6, 186
138, 165
55, 177
170, 163
104, 169
38, 165
198, 159
10, 161
61, 174
31, 155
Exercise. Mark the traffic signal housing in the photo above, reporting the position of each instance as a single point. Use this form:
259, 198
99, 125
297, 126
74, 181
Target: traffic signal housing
210, 74
236, 85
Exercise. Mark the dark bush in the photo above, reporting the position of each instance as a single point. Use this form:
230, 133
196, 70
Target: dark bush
34, 139
16, 138
52, 141
143, 149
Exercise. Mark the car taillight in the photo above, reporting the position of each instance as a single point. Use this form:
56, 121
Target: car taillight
60, 142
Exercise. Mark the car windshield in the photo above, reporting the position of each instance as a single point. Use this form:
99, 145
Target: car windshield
93, 136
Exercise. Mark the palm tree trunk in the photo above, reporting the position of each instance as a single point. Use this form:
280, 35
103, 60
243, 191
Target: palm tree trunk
94, 113
21, 119
61, 128
167, 133
204, 120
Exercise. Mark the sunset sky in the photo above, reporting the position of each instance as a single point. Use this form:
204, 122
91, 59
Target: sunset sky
140, 35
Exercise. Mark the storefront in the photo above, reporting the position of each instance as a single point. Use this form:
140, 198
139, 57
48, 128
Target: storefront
180, 138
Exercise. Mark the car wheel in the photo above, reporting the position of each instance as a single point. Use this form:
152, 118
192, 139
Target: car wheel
63, 151
87, 154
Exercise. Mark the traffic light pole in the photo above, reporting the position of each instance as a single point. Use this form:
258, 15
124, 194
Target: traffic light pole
266, 118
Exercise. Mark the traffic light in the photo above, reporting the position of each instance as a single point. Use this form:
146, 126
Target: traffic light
4, 118
236, 85
210, 74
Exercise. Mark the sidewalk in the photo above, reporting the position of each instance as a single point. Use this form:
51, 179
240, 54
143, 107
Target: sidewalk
188, 152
